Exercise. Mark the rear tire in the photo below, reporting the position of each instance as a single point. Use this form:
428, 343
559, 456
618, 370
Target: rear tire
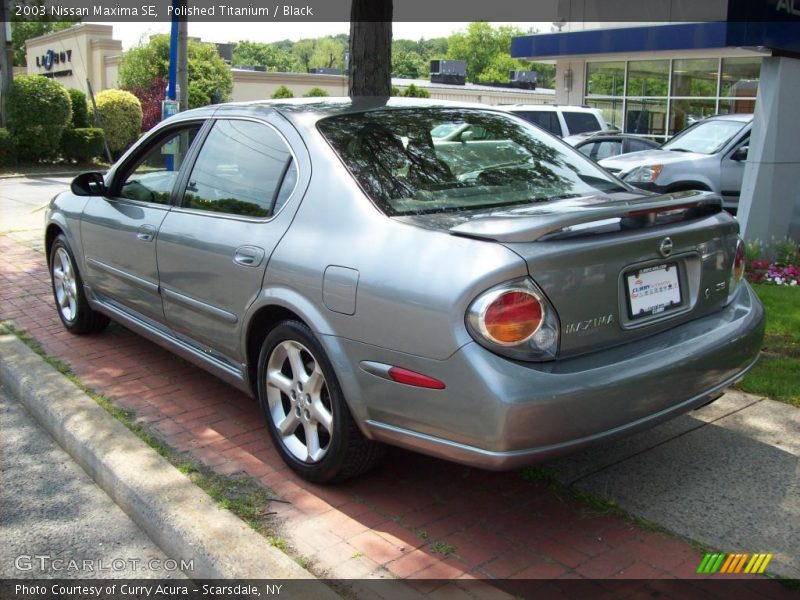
306, 414
71, 303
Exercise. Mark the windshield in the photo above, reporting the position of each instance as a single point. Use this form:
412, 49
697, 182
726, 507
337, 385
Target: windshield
397, 161
707, 137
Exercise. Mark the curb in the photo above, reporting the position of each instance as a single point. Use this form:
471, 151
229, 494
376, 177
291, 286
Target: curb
178, 516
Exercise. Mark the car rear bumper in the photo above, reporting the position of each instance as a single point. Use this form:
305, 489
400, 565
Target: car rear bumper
500, 414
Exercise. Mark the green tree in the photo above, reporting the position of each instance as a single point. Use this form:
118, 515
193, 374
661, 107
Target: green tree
329, 53
413, 91
487, 51
261, 54
302, 51
409, 64
208, 73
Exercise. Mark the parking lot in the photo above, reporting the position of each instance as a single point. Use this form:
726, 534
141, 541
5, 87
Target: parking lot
417, 517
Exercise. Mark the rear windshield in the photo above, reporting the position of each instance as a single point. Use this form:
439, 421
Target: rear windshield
488, 159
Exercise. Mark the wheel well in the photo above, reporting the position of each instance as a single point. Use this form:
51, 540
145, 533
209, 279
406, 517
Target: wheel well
53, 231
260, 325
688, 185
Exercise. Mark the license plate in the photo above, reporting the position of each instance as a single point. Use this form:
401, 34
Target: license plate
653, 290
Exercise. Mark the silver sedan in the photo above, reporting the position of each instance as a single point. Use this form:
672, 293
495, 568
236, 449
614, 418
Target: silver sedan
494, 300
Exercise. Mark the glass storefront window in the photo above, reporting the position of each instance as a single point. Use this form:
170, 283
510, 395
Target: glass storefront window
605, 78
688, 112
648, 78
695, 77
612, 110
740, 77
698, 88
646, 117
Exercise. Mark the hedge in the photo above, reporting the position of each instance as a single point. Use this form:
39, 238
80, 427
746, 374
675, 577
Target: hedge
82, 143
38, 110
6, 147
283, 92
80, 110
316, 92
120, 117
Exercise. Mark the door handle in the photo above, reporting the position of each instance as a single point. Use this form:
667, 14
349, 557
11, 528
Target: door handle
146, 233
248, 256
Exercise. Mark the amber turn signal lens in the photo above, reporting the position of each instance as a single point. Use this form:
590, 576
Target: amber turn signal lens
513, 317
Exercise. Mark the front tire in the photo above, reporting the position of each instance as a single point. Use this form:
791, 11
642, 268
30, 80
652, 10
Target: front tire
306, 414
71, 303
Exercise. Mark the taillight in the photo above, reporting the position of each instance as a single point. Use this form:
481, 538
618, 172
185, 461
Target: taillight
512, 317
738, 261
737, 269
516, 320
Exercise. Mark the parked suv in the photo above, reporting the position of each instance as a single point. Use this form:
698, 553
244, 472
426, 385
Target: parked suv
709, 155
562, 121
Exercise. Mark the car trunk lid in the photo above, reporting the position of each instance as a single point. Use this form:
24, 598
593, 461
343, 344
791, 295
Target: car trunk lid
616, 268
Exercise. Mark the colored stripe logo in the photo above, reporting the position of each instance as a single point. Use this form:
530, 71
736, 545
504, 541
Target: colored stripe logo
734, 563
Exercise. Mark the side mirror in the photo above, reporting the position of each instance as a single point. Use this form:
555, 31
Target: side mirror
466, 136
89, 184
740, 153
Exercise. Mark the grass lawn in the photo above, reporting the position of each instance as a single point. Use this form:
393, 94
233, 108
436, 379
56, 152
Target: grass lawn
777, 374
39, 169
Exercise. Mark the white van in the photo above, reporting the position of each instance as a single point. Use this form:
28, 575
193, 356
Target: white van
562, 121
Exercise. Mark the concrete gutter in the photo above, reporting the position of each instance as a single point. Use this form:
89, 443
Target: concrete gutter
177, 515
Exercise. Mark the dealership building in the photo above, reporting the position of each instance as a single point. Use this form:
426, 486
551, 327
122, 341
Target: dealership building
653, 80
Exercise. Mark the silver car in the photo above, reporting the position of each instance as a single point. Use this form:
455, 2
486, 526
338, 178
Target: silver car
493, 302
709, 155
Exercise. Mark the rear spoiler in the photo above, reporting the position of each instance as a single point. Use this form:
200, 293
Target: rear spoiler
564, 218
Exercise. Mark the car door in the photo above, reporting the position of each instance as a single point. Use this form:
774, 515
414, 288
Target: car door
213, 247
119, 231
732, 172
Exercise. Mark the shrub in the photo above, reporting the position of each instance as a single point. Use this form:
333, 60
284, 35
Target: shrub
6, 147
413, 91
316, 92
121, 118
80, 110
38, 110
283, 92
82, 144
150, 98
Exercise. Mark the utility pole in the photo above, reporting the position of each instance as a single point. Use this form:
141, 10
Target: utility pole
183, 60
6, 65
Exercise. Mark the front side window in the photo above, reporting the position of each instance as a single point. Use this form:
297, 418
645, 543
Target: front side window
404, 170
152, 178
244, 168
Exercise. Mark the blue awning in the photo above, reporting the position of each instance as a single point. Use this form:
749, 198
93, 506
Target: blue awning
778, 37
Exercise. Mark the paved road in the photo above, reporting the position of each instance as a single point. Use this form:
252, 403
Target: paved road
49, 507
22, 204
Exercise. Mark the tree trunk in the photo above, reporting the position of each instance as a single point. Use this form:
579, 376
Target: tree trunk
369, 70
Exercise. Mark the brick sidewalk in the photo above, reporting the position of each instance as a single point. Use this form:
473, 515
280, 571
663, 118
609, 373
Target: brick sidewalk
413, 517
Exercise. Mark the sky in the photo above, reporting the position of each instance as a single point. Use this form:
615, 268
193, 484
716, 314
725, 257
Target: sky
131, 33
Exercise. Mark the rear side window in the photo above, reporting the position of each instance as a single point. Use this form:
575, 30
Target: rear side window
580, 122
638, 145
244, 168
545, 119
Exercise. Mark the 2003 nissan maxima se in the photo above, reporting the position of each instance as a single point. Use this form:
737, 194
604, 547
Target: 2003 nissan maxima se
495, 299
